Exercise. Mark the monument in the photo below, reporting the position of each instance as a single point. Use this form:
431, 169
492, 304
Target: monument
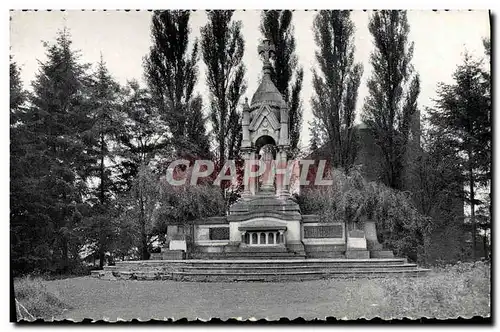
266, 221
264, 236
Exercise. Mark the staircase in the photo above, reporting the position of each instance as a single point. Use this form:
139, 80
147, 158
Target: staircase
250, 253
259, 270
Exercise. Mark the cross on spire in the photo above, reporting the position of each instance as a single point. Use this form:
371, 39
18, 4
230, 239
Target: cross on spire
266, 50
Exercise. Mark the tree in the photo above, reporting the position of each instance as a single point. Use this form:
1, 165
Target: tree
50, 178
463, 111
222, 48
142, 136
287, 76
141, 140
18, 96
315, 141
336, 84
390, 110
105, 97
171, 73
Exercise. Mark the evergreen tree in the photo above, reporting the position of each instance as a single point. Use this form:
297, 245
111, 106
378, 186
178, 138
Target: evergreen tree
287, 76
18, 96
464, 112
336, 84
105, 95
393, 88
222, 48
48, 191
171, 72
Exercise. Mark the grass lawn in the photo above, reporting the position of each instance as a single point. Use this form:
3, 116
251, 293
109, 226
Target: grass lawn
455, 291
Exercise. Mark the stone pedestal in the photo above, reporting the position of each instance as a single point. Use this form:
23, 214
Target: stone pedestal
376, 249
356, 245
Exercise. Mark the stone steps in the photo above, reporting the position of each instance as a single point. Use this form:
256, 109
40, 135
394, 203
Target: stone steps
258, 270
287, 269
253, 253
293, 276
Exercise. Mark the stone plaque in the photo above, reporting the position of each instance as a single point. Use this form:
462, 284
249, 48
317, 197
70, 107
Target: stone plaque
323, 231
219, 233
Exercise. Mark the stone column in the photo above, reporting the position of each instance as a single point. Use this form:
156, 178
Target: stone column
282, 180
248, 190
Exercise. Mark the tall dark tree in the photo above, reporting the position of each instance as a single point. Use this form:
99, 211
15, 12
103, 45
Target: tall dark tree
276, 25
106, 122
141, 140
171, 72
222, 47
48, 191
464, 111
391, 106
336, 84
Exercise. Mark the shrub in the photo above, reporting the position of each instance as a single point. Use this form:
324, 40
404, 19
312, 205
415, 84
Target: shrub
353, 199
35, 300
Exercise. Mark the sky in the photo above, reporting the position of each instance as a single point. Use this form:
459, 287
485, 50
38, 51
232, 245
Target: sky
123, 39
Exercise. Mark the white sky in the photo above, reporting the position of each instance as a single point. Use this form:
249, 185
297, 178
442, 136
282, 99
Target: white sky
124, 38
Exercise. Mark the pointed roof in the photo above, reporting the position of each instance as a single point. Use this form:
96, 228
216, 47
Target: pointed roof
267, 93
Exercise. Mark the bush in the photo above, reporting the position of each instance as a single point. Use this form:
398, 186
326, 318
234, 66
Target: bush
351, 198
35, 300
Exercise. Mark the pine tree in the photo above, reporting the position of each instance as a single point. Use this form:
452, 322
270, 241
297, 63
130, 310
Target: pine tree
52, 161
25, 246
393, 88
464, 112
336, 84
287, 76
105, 96
171, 72
222, 48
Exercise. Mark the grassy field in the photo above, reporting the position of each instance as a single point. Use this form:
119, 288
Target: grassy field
459, 290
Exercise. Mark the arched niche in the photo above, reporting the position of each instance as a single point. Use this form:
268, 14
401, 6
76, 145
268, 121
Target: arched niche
262, 141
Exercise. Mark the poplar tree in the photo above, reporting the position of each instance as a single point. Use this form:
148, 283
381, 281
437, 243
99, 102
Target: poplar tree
287, 76
171, 72
390, 109
222, 47
336, 84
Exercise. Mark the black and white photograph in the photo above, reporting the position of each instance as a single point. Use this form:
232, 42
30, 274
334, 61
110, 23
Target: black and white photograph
183, 164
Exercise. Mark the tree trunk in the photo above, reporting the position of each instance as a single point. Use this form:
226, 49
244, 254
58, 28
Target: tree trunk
144, 236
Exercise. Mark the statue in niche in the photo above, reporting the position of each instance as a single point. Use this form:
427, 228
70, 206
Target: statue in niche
266, 182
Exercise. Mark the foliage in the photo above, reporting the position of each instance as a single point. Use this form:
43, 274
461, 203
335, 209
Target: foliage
390, 110
171, 73
142, 136
287, 76
222, 47
336, 84
463, 114
106, 123
352, 199
48, 169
